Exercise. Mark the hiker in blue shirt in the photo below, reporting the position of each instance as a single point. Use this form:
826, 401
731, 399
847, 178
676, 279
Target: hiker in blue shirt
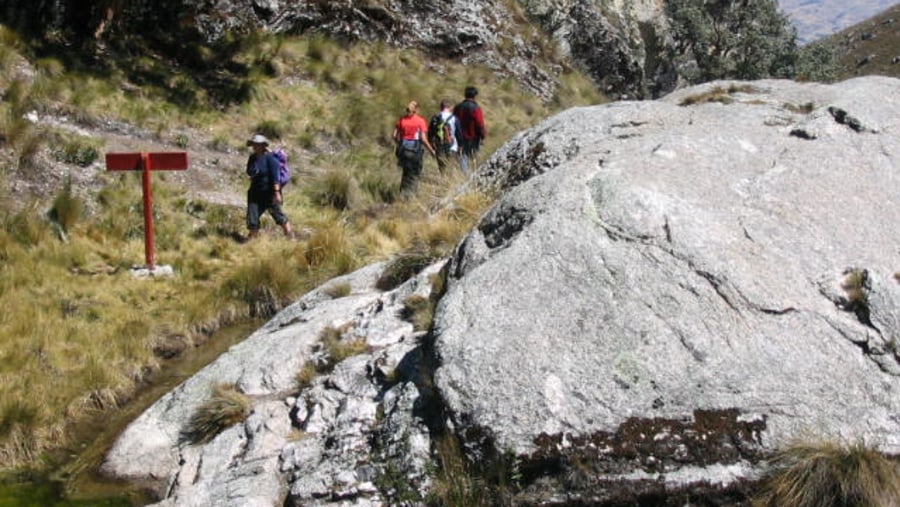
265, 192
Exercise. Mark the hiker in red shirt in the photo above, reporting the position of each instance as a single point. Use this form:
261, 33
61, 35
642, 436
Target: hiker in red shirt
472, 128
411, 135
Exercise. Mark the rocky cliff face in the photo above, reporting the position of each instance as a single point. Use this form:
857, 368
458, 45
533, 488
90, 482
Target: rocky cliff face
665, 293
622, 45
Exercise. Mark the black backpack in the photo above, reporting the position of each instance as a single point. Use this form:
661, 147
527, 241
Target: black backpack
440, 132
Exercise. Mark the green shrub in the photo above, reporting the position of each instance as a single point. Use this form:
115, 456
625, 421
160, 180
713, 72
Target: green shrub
732, 40
78, 151
182, 140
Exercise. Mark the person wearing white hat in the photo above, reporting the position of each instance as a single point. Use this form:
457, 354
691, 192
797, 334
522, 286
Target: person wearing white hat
265, 192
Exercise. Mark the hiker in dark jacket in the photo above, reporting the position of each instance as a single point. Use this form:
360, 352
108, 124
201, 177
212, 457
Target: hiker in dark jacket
265, 192
472, 128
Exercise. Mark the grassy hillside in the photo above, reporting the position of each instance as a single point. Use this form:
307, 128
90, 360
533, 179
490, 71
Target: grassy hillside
79, 334
870, 47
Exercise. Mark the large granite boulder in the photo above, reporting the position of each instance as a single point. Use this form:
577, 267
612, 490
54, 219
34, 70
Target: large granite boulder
666, 291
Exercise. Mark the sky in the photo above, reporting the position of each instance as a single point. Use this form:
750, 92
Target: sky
815, 19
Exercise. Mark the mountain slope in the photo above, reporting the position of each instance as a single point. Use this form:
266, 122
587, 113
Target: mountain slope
869, 47
818, 19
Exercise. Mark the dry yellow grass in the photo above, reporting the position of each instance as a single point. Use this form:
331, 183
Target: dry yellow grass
226, 407
830, 474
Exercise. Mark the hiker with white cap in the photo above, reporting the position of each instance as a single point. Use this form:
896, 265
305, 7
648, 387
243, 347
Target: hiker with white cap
265, 192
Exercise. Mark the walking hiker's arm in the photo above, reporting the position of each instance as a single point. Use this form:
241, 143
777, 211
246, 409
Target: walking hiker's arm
429, 146
272, 167
480, 129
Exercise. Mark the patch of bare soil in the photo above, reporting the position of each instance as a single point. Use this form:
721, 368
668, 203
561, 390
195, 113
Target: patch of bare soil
213, 175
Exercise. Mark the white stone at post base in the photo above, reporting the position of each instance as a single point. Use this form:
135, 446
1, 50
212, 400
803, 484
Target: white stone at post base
157, 271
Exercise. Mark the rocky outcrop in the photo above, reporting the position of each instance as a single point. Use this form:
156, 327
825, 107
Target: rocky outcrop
668, 290
622, 45
330, 437
665, 293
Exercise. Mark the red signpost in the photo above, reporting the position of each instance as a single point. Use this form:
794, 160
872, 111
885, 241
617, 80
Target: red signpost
172, 161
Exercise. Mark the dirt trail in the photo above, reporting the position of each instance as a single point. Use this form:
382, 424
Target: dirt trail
213, 175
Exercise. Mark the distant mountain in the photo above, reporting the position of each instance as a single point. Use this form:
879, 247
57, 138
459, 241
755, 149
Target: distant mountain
816, 19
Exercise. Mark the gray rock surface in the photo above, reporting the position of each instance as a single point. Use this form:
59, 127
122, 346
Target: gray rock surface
301, 445
671, 263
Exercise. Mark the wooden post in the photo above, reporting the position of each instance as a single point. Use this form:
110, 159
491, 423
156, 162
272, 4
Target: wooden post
146, 162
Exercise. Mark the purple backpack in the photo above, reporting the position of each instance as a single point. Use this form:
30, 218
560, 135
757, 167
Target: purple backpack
284, 172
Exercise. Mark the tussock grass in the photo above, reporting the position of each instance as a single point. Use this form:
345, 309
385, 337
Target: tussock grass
306, 375
338, 343
266, 283
338, 290
226, 407
718, 94
457, 483
855, 286
418, 310
330, 246
829, 474
67, 208
336, 189
406, 266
